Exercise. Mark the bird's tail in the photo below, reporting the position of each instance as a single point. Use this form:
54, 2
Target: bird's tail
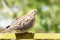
6, 30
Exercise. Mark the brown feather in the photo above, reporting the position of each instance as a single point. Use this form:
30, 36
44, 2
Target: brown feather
22, 23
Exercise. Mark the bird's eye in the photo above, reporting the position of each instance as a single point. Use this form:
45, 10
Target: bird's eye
34, 11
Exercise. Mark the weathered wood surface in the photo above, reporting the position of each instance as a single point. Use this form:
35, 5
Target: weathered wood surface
29, 35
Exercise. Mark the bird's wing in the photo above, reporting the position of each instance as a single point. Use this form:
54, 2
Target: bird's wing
14, 21
15, 25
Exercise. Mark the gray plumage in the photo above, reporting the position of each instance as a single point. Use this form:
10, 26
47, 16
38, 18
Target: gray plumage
22, 23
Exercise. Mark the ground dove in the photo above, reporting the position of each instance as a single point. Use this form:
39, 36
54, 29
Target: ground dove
23, 23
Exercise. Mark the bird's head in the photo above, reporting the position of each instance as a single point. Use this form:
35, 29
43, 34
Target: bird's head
32, 12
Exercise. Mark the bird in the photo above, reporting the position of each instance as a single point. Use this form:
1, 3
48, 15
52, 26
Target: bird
23, 23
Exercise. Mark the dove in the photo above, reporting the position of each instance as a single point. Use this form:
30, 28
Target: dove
23, 23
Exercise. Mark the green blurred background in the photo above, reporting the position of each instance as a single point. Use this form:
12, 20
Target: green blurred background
47, 18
